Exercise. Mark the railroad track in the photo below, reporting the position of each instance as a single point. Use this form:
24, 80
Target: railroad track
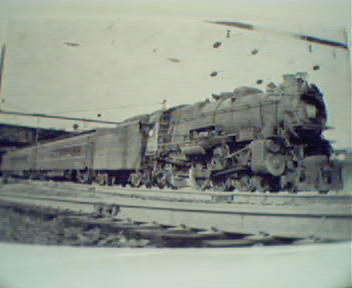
157, 234
193, 217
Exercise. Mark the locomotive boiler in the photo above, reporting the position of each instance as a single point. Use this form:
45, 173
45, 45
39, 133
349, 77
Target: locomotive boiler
248, 140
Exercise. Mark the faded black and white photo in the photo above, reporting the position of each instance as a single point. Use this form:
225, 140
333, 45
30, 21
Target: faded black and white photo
151, 143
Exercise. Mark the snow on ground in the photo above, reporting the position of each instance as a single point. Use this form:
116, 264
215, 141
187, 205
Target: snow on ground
323, 265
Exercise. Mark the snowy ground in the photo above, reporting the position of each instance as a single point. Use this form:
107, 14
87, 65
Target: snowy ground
324, 265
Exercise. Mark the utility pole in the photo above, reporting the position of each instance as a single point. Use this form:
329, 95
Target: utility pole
2, 64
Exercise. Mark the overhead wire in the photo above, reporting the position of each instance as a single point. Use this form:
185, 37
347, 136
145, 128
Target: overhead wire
105, 108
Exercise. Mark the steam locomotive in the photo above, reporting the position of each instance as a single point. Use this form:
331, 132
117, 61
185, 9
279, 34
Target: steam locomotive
246, 140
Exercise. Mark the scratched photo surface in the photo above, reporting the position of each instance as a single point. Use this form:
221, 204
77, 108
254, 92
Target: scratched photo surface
114, 60
107, 61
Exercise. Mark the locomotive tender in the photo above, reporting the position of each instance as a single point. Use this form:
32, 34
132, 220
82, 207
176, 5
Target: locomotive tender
248, 140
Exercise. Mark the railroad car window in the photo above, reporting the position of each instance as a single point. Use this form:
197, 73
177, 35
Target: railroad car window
21, 158
68, 151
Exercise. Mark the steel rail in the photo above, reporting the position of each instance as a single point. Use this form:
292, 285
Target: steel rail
332, 221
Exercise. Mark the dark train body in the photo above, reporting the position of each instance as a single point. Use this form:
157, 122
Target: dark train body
246, 140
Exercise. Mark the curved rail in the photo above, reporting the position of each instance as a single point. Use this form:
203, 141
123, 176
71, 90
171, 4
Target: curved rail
290, 216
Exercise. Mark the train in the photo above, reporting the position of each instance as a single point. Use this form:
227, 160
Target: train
244, 140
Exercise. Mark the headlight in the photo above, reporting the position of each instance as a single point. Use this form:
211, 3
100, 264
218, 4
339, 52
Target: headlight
311, 111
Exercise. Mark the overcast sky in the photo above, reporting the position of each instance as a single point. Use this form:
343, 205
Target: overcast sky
119, 58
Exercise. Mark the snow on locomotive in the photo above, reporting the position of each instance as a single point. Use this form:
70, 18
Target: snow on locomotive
246, 140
